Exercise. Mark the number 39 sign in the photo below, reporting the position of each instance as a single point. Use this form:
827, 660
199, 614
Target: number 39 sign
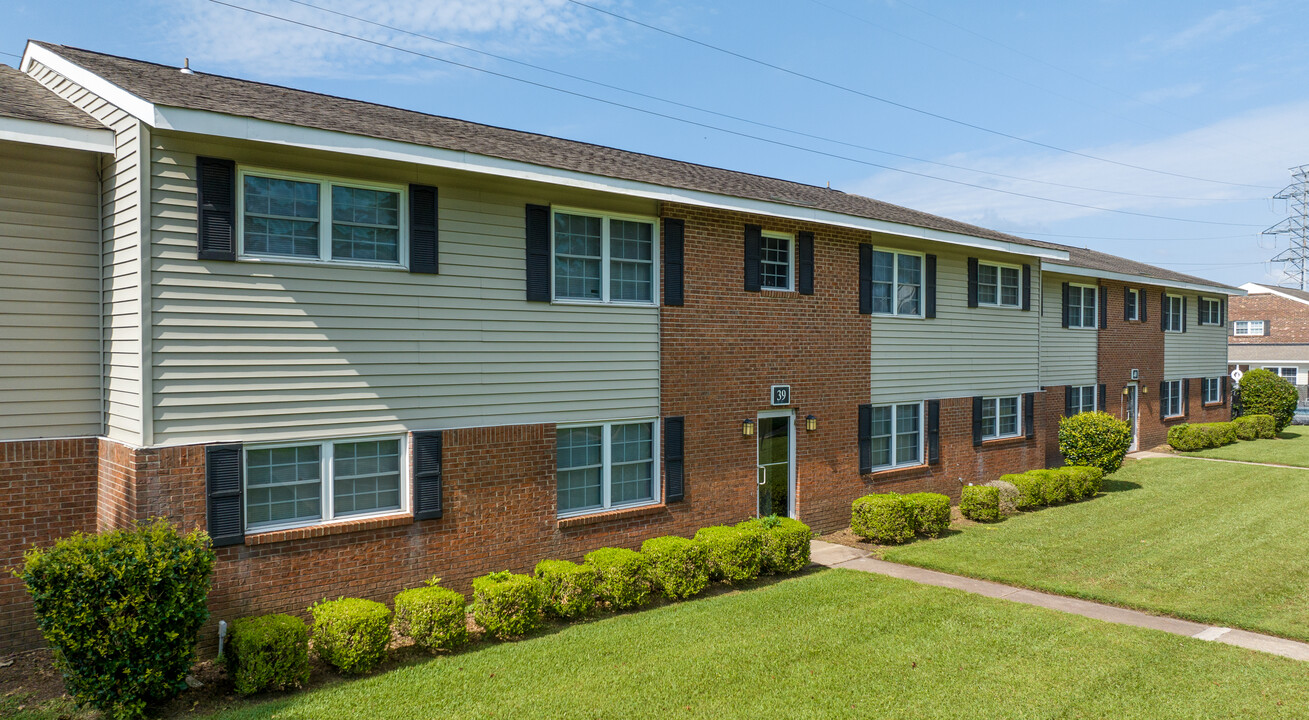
781, 394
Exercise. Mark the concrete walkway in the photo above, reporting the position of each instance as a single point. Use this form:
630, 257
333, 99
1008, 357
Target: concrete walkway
1148, 454
842, 556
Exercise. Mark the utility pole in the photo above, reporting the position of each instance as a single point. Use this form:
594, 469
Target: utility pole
1296, 228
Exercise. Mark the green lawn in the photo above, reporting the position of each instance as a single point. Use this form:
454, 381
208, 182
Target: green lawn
1292, 448
835, 643
1216, 542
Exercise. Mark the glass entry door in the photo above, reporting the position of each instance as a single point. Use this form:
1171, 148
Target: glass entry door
775, 465
1131, 400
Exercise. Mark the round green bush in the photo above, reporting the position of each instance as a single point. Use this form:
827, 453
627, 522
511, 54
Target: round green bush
980, 503
882, 518
1031, 490
435, 618
567, 589
351, 634
735, 555
679, 568
1094, 438
624, 577
785, 543
929, 513
1085, 481
121, 611
1264, 392
507, 605
267, 653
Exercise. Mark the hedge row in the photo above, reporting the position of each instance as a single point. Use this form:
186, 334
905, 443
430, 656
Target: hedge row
891, 518
1035, 488
1189, 437
271, 652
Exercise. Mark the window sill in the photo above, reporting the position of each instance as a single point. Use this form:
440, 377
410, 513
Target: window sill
260, 260
603, 303
884, 474
893, 316
326, 529
621, 514
1217, 403
776, 292
1001, 441
1174, 418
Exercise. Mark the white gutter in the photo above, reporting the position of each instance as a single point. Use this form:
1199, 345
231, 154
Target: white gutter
1140, 279
37, 132
1270, 290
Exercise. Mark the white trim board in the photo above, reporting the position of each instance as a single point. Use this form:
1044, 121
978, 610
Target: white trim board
1059, 269
1271, 290
36, 132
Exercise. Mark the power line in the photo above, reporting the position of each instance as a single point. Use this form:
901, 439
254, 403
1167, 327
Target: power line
1134, 239
738, 118
707, 126
903, 106
20, 57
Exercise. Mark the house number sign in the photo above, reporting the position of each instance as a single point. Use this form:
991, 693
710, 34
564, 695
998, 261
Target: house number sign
781, 394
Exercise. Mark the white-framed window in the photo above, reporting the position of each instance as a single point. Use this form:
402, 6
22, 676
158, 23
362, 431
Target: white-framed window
604, 258
1081, 306
1171, 402
897, 437
999, 285
1132, 310
897, 283
1213, 390
603, 466
1288, 372
304, 483
776, 261
295, 217
1173, 313
1081, 399
1248, 327
1001, 417
1211, 311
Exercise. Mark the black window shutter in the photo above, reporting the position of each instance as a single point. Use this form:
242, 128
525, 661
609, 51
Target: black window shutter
753, 238
1222, 312
977, 422
226, 510
1027, 287
424, 240
1029, 414
929, 288
216, 198
1163, 311
674, 464
538, 253
1163, 399
429, 500
1104, 398
972, 282
1066, 292
1268, 326
1222, 391
1104, 308
804, 250
1069, 391
1186, 396
865, 438
674, 239
1183, 313
1127, 298
933, 432
865, 279
1141, 304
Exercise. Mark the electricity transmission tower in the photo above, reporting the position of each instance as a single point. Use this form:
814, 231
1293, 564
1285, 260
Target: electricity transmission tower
1296, 228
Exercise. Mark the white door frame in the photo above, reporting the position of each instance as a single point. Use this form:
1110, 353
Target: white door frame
790, 458
1135, 409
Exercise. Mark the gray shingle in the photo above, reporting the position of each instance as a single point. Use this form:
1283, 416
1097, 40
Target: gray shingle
23, 98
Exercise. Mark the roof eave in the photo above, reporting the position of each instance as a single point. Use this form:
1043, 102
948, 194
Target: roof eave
50, 134
1147, 279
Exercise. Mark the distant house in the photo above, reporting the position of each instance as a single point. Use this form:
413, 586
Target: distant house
1269, 328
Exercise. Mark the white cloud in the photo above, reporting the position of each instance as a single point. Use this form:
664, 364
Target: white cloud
1214, 27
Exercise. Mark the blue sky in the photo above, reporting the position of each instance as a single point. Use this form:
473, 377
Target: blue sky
1204, 89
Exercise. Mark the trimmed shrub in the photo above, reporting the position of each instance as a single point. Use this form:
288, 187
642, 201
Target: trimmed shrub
1264, 392
507, 605
882, 518
351, 634
624, 577
269, 652
1008, 496
1084, 481
1255, 427
121, 611
567, 589
735, 555
1096, 439
1031, 490
679, 568
786, 543
1055, 486
435, 618
1189, 437
929, 513
980, 503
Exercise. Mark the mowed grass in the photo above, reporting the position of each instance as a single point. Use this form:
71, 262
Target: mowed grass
829, 644
1220, 543
1291, 448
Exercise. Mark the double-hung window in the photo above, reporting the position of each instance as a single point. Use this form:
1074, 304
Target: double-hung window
603, 258
1173, 313
998, 285
1172, 398
776, 261
299, 217
1248, 327
897, 283
1213, 390
1081, 399
1211, 312
1000, 418
897, 436
604, 466
304, 483
1132, 308
1081, 306
1289, 373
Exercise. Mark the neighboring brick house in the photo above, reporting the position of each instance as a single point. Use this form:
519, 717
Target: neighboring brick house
1269, 328
341, 335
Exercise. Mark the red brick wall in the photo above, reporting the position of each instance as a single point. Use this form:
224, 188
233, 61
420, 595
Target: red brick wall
1287, 320
47, 491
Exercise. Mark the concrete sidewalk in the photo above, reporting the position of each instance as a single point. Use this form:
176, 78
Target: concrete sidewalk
1149, 454
831, 555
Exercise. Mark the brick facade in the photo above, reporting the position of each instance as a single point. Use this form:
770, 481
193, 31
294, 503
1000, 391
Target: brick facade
1287, 321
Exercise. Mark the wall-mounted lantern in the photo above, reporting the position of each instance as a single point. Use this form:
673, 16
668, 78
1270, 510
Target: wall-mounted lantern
810, 423
747, 427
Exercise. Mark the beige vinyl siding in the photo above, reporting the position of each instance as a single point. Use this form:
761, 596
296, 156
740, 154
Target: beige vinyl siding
1068, 355
49, 292
121, 273
268, 350
1201, 351
964, 351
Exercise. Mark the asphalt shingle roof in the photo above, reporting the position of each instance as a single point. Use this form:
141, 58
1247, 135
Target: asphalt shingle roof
23, 98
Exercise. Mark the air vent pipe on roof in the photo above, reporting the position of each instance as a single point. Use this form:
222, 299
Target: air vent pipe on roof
186, 66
